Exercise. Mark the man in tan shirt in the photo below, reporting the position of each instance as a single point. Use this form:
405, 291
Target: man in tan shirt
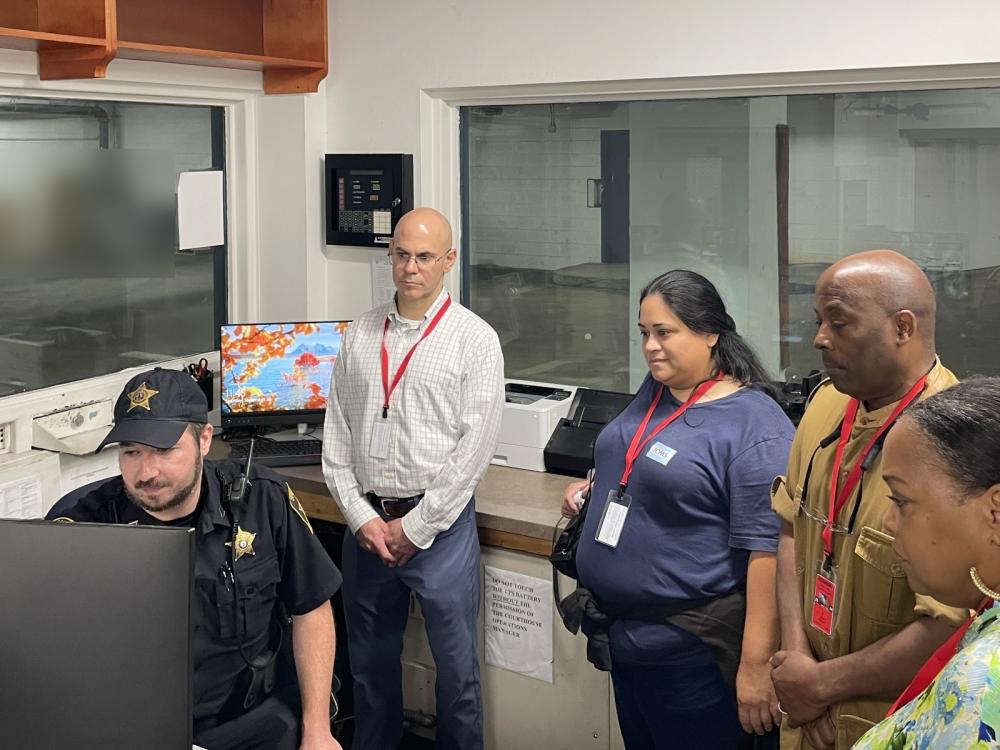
853, 633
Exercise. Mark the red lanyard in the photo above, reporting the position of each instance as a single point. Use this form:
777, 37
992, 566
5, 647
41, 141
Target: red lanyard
387, 389
638, 443
838, 500
933, 666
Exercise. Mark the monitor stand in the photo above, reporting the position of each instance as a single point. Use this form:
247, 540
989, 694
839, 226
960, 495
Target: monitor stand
287, 431
295, 433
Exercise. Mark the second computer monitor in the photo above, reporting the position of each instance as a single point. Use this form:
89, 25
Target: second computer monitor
277, 373
95, 636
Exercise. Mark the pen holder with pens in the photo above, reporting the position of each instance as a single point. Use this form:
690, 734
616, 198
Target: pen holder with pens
203, 377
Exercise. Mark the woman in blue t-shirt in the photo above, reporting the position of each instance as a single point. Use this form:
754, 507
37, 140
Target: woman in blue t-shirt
679, 539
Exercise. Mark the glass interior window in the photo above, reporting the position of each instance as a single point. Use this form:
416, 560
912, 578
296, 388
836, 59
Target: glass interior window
572, 208
92, 280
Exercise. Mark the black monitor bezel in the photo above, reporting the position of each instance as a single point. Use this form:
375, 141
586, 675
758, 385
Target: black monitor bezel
88, 663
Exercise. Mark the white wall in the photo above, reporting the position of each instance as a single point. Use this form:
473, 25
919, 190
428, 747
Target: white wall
384, 53
291, 281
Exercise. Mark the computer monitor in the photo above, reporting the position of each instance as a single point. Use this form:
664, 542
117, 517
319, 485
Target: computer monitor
277, 373
95, 636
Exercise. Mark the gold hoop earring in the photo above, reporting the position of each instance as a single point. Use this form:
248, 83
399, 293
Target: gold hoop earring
978, 583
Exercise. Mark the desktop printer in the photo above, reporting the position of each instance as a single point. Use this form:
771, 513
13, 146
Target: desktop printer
570, 450
530, 414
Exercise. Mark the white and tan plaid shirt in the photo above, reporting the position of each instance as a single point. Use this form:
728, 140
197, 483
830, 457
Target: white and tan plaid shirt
444, 416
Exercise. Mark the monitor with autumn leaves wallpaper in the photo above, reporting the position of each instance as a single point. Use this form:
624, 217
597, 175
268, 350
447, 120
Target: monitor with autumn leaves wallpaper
274, 373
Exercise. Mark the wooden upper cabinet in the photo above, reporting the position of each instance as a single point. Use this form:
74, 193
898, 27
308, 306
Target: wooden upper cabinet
295, 29
285, 39
73, 38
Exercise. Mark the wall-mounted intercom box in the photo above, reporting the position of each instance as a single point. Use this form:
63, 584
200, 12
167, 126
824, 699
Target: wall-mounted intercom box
366, 194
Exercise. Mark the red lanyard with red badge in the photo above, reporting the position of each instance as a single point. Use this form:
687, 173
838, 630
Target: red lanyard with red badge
610, 526
380, 434
825, 591
839, 499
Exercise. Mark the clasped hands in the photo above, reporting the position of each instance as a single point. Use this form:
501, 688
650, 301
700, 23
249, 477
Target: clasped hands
755, 700
387, 540
798, 684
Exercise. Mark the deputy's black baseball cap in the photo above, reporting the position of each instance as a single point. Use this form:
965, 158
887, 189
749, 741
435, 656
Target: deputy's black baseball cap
155, 408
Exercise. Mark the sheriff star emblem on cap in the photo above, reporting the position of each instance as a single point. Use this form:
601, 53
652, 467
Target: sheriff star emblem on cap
140, 397
244, 542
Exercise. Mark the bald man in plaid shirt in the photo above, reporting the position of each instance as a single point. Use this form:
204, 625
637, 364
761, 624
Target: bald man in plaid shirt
412, 423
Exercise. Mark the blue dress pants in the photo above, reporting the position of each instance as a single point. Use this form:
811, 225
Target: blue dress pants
678, 706
446, 580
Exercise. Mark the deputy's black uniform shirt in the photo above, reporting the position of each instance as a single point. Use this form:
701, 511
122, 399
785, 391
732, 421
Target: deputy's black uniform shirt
282, 561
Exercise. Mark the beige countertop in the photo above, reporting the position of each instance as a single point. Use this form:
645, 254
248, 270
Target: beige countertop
515, 508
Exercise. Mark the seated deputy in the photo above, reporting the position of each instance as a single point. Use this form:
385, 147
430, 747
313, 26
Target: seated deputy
260, 552
942, 465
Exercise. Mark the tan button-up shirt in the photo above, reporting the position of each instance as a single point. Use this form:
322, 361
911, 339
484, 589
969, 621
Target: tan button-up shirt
873, 597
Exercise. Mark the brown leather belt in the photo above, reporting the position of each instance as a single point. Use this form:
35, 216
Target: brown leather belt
394, 507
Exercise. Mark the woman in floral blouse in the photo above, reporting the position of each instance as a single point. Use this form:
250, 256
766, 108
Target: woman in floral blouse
942, 465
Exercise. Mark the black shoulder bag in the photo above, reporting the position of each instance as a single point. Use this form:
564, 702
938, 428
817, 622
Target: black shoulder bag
564, 544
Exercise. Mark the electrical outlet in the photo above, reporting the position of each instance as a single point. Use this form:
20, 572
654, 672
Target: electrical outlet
6, 437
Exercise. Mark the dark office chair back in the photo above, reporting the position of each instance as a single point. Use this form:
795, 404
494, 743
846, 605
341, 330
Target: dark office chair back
70, 499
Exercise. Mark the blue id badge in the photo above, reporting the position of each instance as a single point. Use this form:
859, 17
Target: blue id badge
609, 530
660, 453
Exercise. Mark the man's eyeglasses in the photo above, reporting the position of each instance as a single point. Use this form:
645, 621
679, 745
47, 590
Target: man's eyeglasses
866, 465
836, 528
424, 260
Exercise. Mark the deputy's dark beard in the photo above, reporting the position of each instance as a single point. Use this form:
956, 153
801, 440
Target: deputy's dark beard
177, 499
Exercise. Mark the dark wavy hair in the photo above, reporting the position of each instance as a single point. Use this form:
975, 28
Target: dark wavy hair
696, 301
962, 425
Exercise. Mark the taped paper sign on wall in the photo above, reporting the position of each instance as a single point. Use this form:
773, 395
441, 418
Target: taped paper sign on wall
518, 623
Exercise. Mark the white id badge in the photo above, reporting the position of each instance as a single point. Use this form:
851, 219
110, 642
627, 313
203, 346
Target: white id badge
379, 447
609, 530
